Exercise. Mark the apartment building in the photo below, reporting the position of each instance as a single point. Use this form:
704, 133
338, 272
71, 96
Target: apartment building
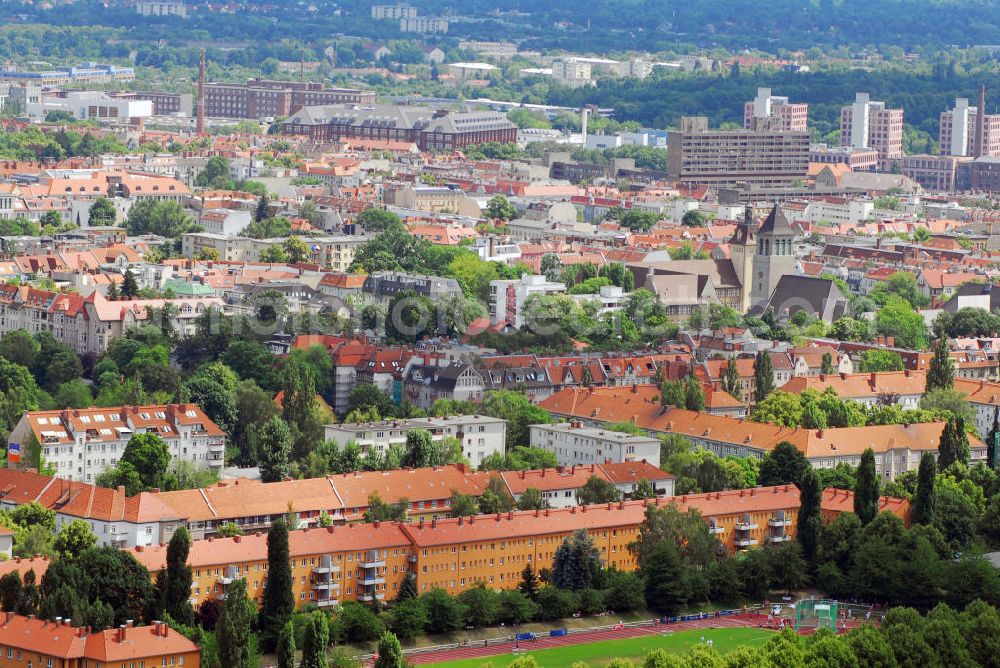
383, 286
264, 98
81, 443
425, 25
423, 384
791, 117
77, 74
116, 519
334, 252
508, 297
480, 435
498, 50
958, 130
393, 12
762, 158
430, 129
897, 447
30, 641
572, 443
870, 124
858, 159
366, 562
89, 324
156, 8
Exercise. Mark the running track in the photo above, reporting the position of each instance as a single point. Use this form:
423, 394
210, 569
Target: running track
501, 647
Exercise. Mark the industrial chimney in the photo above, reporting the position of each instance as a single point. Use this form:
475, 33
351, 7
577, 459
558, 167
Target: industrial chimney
201, 93
980, 122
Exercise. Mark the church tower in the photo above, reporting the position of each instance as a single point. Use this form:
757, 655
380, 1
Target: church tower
742, 248
775, 256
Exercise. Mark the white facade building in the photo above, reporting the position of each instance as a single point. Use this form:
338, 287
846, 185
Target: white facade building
480, 435
507, 297
83, 443
572, 443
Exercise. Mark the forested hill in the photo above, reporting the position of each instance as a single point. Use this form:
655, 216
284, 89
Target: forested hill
790, 24
659, 103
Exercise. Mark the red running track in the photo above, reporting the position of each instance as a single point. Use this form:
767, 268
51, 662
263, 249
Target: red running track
502, 647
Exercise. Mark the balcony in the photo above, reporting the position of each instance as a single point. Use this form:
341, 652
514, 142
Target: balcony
745, 542
745, 526
369, 581
715, 530
779, 522
370, 597
225, 580
780, 538
412, 558
325, 586
217, 447
326, 602
325, 568
372, 560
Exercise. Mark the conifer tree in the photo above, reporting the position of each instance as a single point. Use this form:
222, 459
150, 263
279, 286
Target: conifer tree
866, 488
941, 372
234, 630
923, 501
278, 602
763, 372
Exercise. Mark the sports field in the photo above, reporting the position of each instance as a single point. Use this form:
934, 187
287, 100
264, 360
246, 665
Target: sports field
600, 653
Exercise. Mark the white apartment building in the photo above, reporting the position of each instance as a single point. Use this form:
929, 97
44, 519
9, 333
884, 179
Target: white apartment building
572, 443
480, 435
838, 210
490, 49
83, 443
507, 297
424, 25
333, 252
91, 105
392, 12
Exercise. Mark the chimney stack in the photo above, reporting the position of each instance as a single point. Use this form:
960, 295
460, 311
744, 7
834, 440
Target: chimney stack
200, 127
980, 122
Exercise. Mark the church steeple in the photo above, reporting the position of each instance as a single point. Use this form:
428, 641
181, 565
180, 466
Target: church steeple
775, 255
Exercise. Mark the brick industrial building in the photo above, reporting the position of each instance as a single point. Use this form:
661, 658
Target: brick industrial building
791, 116
428, 128
763, 157
959, 129
870, 124
263, 98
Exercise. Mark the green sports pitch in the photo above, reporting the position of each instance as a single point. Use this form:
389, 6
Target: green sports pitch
600, 653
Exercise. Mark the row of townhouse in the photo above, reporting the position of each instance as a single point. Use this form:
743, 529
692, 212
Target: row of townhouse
82, 443
150, 518
89, 324
898, 448
367, 562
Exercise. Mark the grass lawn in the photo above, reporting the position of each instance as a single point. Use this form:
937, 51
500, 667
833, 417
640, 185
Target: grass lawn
600, 653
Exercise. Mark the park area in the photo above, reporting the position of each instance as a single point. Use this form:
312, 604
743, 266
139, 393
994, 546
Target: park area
565, 651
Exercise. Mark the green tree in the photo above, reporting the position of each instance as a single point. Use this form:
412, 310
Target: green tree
130, 287
694, 218
261, 212
866, 489
826, 365
666, 579
408, 618
499, 208
517, 409
694, 395
643, 490
215, 173
954, 444
576, 563
763, 372
529, 580
923, 501
444, 614
377, 220
163, 218
480, 605
274, 443
597, 490
809, 519
314, 644
731, 379
783, 465
941, 372
102, 213
878, 359
296, 250
898, 320
531, 499
176, 593
234, 631
407, 588
278, 600
74, 539
462, 505
286, 646
390, 652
